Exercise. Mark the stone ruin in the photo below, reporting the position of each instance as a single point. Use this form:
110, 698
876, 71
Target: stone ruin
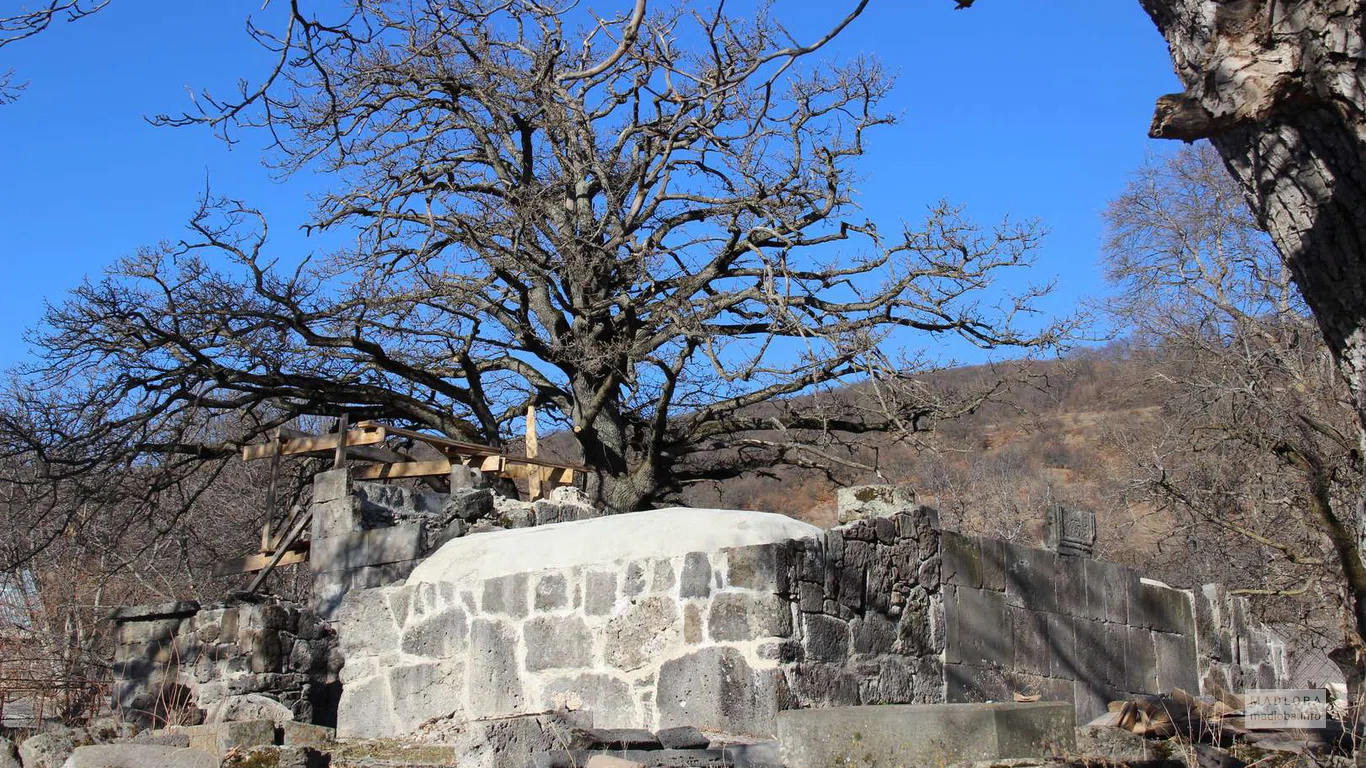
718, 619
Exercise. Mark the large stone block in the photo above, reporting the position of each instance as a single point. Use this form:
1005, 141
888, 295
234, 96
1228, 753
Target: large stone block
365, 624
914, 734
348, 551
695, 580
365, 710
1176, 663
1029, 638
423, 691
755, 567
138, 756
1100, 652
860, 502
437, 635
826, 638
1164, 609
961, 560
331, 485
557, 642
715, 688
495, 683
739, 617
1031, 578
506, 595
1140, 675
552, 592
606, 698
645, 631
337, 517
1109, 588
976, 618
599, 592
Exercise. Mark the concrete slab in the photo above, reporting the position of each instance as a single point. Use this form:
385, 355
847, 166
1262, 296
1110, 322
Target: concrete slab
656, 533
923, 734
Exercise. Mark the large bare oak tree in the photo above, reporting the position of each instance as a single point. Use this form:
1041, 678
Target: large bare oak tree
644, 224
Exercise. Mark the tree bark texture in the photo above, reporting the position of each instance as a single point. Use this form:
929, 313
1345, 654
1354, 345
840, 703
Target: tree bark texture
1278, 87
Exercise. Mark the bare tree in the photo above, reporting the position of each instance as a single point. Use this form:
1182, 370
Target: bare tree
1256, 458
656, 244
26, 23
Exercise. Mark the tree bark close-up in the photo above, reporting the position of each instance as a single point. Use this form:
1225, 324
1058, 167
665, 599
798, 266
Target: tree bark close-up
1278, 87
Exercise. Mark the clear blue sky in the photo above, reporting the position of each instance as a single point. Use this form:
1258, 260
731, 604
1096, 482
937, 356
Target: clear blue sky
1033, 109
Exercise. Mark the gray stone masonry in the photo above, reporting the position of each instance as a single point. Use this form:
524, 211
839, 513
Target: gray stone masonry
877, 737
371, 534
720, 640
1038, 622
176, 661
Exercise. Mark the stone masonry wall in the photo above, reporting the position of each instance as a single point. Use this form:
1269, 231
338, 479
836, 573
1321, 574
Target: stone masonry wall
372, 534
1068, 628
176, 660
715, 639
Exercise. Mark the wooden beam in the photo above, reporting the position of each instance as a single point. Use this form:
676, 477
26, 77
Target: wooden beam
285, 545
366, 435
401, 469
533, 479
252, 563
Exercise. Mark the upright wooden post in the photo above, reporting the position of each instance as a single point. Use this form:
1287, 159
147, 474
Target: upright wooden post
533, 477
339, 458
272, 489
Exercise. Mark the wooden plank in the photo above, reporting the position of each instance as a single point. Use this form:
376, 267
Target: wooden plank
252, 563
401, 469
533, 479
454, 446
285, 544
364, 436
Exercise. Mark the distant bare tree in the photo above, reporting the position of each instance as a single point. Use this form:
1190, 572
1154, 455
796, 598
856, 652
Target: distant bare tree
646, 239
1258, 448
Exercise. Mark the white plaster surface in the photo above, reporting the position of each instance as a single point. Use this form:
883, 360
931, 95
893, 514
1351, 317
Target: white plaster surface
656, 533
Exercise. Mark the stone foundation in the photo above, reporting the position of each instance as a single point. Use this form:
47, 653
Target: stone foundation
712, 618
176, 661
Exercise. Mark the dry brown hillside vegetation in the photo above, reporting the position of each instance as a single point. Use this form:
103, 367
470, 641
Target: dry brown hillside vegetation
1081, 431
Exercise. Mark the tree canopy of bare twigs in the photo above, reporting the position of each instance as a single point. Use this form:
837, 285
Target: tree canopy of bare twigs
27, 22
645, 225
1258, 450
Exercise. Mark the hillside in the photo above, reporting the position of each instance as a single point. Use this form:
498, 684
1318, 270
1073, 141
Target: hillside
1069, 435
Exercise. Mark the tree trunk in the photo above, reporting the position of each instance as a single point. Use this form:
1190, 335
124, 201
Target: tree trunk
1279, 86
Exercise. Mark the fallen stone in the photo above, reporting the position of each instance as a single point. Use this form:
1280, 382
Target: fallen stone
1116, 744
296, 734
160, 738
50, 750
622, 738
764, 754
9, 754
656, 758
138, 756
607, 761
924, 734
682, 737
250, 706
276, 757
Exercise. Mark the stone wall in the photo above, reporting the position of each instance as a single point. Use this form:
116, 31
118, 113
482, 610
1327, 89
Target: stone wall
175, 661
372, 534
711, 618
1068, 628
